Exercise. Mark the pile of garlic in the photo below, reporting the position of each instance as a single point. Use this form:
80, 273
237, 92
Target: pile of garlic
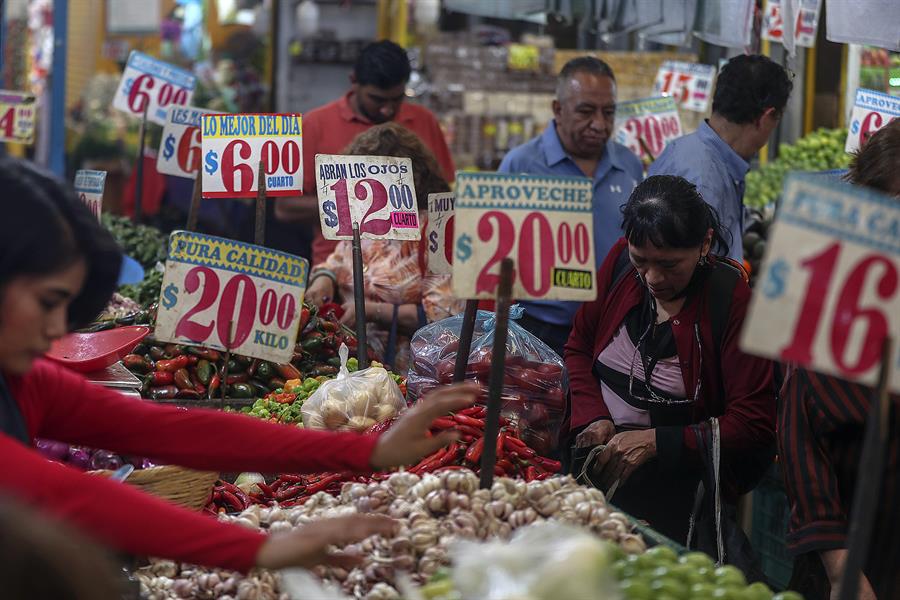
433, 510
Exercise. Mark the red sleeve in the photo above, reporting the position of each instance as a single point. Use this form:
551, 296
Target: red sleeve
587, 403
121, 516
438, 145
310, 147
61, 405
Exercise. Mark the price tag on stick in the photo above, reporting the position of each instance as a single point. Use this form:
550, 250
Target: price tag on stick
829, 291
89, 187
544, 223
376, 192
871, 111
234, 145
441, 208
152, 85
180, 145
211, 282
690, 84
17, 117
654, 121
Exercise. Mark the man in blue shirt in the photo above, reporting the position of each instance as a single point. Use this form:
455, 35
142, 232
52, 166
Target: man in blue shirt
751, 93
578, 143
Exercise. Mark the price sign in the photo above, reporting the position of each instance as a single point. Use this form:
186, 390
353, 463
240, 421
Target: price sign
233, 145
17, 115
545, 224
871, 111
377, 192
690, 84
155, 84
221, 293
829, 291
807, 23
441, 217
773, 21
653, 120
180, 145
89, 187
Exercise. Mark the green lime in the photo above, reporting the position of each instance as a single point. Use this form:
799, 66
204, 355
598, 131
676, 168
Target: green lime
702, 591
670, 586
758, 591
636, 589
697, 559
788, 595
661, 572
687, 574
730, 576
662, 554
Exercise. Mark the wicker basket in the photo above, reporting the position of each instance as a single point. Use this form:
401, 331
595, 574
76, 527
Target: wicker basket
185, 487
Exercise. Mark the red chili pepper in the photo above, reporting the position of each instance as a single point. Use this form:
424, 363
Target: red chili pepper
323, 483
232, 500
265, 489
471, 422
290, 492
500, 439
162, 378
290, 477
506, 465
304, 318
213, 385
288, 371
172, 365
543, 476
472, 411
503, 421
443, 423
183, 379
530, 473
515, 441
465, 429
549, 464
525, 454
425, 462
239, 378
193, 360
467, 438
473, 454
251, 370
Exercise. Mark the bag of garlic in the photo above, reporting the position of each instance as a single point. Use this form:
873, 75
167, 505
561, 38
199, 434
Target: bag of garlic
353, 401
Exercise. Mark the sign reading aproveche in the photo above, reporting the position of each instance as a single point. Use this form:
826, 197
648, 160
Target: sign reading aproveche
871, 111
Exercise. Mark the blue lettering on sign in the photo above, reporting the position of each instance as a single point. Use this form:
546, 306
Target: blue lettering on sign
270, 340
776, 279
284, 181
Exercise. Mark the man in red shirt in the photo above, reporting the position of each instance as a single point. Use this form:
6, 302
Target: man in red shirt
377, 91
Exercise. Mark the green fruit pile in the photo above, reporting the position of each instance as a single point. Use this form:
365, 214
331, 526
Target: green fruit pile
660, 574
283, 405
822, 150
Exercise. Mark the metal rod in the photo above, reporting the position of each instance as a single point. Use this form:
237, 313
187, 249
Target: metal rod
465, 341
359, 297
139, 178
194, 210
260, 237
224, 383
498, 365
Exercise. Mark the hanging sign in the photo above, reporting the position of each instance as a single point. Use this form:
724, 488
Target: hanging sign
829, 290
871, 111
89, 187
155, 84
807, 23
226, 294
653, 121
545, 224
376, 192
234, 145
17, 117
690, 84
441, 211
180, 145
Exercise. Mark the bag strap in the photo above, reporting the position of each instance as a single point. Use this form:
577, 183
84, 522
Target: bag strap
719, 292
715, 451
620, 269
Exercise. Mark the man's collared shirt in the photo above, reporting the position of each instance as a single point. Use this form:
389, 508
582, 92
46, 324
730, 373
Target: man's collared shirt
618, 172
704, 159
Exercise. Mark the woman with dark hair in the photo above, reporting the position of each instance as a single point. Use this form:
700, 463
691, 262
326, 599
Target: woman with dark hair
657, 354
58, 267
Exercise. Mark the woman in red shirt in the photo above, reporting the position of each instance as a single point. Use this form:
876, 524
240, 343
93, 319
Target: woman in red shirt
657, 354
58, 268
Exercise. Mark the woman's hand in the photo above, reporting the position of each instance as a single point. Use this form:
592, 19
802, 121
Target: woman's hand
312, 544
624, 453
596, 434
408, 440
321, 291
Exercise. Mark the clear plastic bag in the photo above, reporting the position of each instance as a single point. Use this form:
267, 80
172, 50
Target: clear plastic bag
544, 561
535, 382
353, 401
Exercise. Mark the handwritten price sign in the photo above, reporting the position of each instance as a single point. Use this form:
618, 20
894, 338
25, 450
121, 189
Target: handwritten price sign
221, 293
233, 145
871, 111
829, 292
690, 84
180, 145
17, 115
805, 25
154, 84
654, 121
89, 187
544, 224
441, 217
377, 192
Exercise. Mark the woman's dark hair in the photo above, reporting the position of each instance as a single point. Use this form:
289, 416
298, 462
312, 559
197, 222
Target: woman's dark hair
46, 228
877, 163
668, 212
748, 85
383, 64
391, 139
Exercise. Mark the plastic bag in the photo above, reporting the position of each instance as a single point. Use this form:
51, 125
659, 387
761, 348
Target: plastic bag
535, 382
353, 401
544, 561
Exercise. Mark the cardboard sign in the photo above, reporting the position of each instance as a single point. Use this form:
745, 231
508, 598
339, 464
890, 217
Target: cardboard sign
545, 224
212, 284
654, 121
829, 291
149, 82
871, 111
805, 26
89, 187
441, 217
233, 145
690, 84
376, 192
17, 117
180, 148
773, 21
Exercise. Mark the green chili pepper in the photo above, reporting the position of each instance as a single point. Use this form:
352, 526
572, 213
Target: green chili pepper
240, 390
265, 371
204, 371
